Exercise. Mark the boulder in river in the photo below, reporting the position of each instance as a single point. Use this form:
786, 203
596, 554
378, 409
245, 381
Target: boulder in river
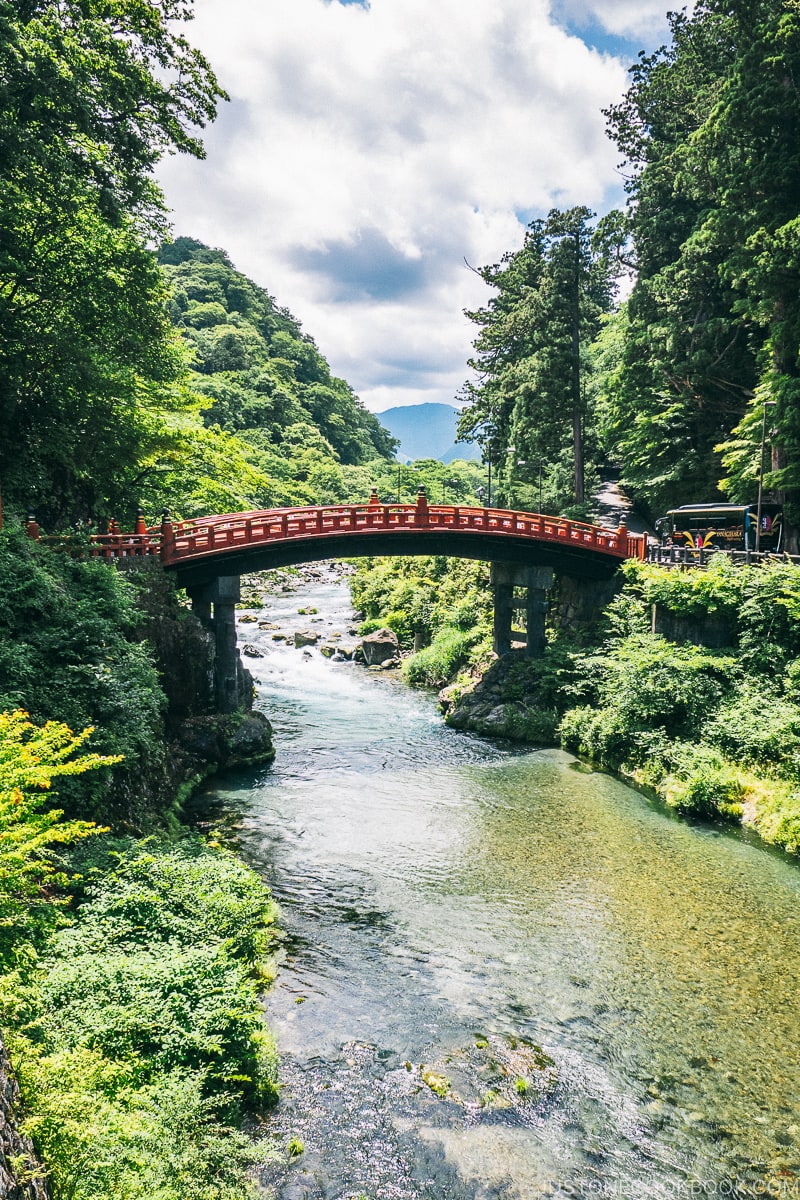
305, 637
379, 647
252, 651
251, 741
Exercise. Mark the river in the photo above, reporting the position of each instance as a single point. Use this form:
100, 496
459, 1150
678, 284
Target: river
606, 996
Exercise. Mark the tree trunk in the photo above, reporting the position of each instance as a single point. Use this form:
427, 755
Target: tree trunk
577, 414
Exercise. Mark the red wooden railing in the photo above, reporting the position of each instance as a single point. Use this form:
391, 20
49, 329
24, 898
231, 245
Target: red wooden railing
208, 537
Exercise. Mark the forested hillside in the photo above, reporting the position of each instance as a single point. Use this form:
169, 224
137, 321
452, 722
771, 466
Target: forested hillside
678, 385
260, 378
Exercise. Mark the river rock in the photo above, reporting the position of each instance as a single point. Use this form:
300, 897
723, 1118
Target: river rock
252, 651
379, 647
247, 619
251, 742
305, 637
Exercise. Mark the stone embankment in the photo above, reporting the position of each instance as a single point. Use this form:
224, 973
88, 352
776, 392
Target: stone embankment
200, 740
505, 702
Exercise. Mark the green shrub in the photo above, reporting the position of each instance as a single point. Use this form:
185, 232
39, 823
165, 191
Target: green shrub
434, 665
758, 727
717, 589
778, 818
399, 623
607, 736
769, 620
702, 782
31, 829
651, 683
536, 725
139, 1039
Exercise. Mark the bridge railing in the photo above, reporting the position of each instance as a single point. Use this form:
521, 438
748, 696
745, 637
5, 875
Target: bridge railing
206, 537
188, 539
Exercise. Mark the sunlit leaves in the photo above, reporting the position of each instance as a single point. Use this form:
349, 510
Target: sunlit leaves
31, 757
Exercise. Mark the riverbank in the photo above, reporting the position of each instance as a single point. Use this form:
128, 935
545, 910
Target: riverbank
688, 686
132, 960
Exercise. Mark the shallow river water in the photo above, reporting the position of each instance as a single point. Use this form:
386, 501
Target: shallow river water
606, 997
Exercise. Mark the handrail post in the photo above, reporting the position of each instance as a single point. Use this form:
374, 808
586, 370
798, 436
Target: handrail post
31, 527
140, 528
167, 537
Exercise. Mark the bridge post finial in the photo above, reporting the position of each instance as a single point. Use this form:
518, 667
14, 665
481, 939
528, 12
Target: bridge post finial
141, 525
374, 498
31, 527
422, 516
167, 535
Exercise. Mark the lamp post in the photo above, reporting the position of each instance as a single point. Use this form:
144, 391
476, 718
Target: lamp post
522, 462
766, 404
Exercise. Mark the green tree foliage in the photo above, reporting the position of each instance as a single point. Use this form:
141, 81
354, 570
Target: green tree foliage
530, 404
93, 93
709, 129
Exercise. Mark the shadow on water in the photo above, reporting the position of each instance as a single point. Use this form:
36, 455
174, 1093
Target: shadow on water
450, 902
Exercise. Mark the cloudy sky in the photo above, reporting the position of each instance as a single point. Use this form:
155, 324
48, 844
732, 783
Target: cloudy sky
368, 150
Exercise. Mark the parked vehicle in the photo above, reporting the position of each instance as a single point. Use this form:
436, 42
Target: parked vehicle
722, 527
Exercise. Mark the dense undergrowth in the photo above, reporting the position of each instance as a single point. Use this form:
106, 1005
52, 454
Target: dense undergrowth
135, 1029
439, 605
69, 651
129, 968
714, 732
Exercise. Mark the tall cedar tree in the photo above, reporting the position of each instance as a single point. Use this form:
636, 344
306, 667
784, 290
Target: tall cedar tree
709, 128
529, 403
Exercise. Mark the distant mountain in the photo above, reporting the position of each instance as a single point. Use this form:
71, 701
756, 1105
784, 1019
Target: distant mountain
427, 431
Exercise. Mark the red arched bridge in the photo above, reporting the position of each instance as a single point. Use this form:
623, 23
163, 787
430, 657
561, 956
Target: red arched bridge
208, 554
205, 548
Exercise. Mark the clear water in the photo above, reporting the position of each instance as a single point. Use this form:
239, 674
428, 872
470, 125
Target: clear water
445, 896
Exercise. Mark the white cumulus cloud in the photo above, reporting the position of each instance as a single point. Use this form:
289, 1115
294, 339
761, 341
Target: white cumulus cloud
367, 152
